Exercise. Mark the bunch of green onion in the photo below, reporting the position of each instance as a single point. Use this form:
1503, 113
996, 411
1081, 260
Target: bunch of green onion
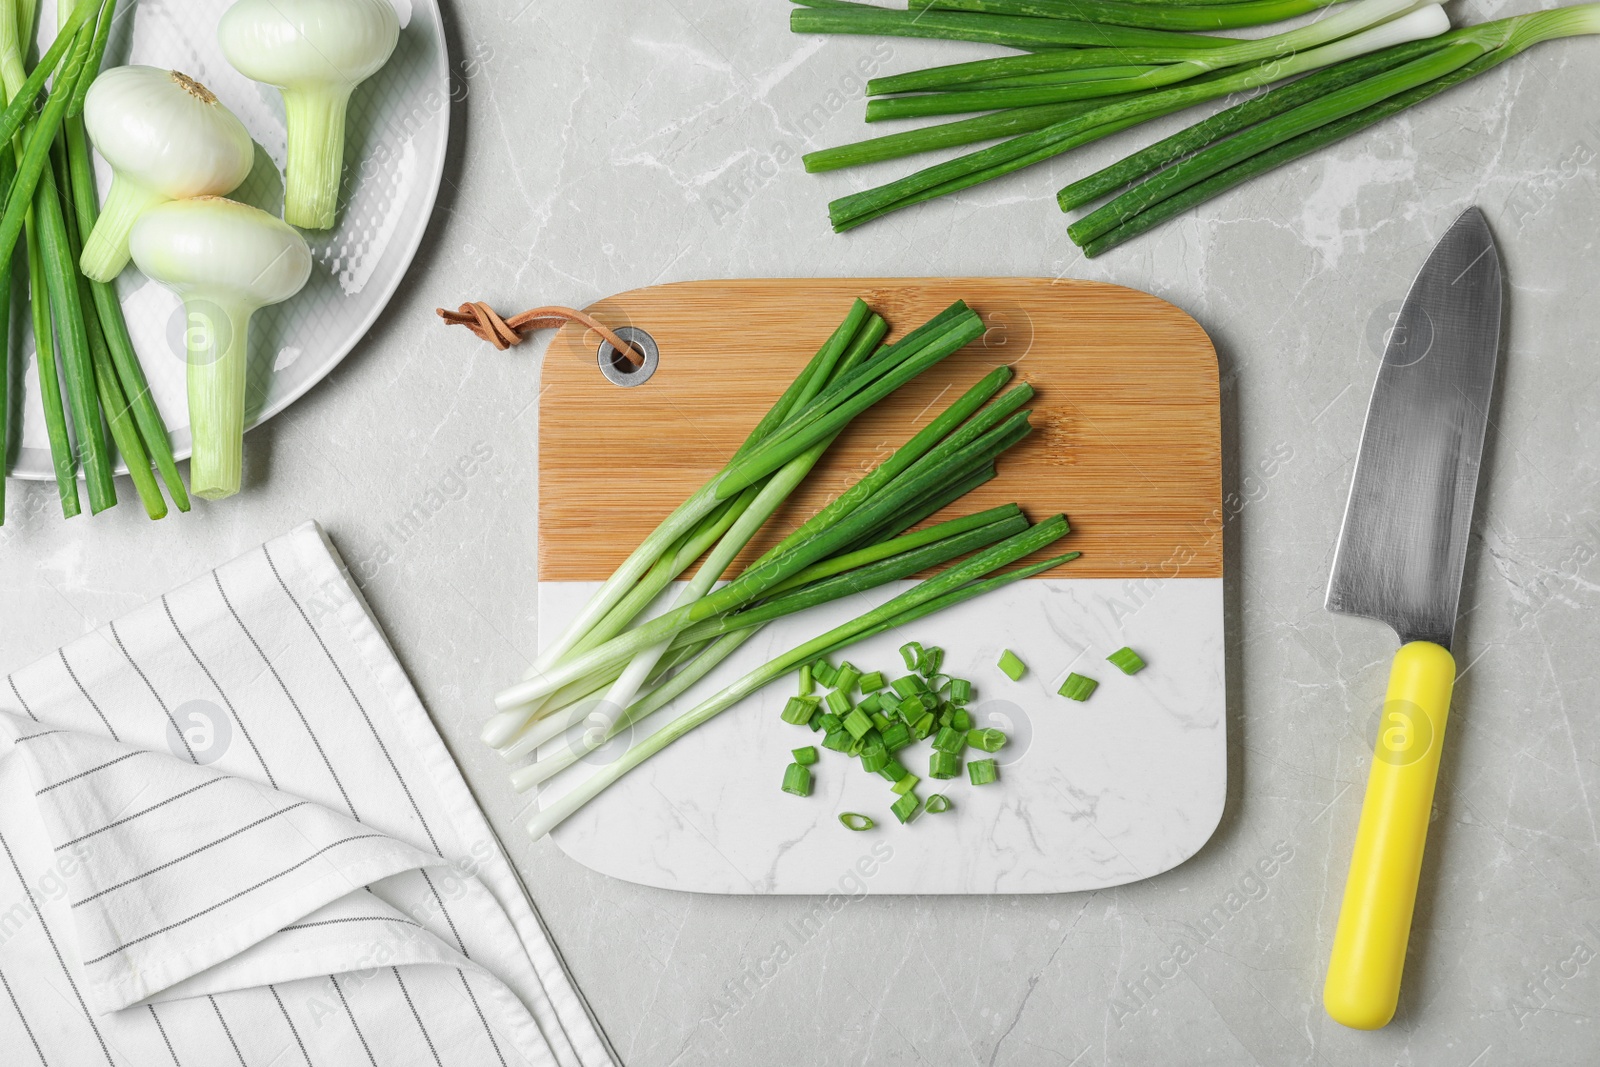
1092, 68
80, 336
615, 655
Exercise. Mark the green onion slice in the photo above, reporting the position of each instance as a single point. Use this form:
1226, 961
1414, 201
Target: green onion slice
856, 821
983, 771
937, 803
1126, 660
1011, 666
1078, 687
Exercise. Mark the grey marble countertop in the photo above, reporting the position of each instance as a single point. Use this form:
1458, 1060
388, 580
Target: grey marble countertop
602, 146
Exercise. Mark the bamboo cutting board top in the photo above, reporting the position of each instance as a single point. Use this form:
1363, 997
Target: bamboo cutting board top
1127, 435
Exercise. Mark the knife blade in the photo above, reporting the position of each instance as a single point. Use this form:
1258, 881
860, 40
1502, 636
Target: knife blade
1400, 559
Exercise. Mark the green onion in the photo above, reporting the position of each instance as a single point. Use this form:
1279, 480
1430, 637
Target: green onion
893, 772
954, 585
798, 710
845, 681
942, 764
952, 134
906, 784
807, 686
804, 756
874, 757
856, 821
871, 683
932, 660
983, 771
857, 723
960, 691
1505, 38
824, 672
937, 803
797, 780
1011, 666
990, 740
897, 736
906, 807
990, 29
1029, 148
949, 740
923, 726
1162, 16
909, 686
911, 652
870, 704
829, 722
837, 741
1078, 687
1126, 660
962, 719
838, 703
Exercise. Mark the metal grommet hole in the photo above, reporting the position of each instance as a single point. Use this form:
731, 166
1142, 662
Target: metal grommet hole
620, 370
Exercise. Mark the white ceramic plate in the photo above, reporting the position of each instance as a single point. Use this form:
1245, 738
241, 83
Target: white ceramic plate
394, 154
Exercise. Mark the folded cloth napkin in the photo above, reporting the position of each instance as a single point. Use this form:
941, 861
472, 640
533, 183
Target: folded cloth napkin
230, 834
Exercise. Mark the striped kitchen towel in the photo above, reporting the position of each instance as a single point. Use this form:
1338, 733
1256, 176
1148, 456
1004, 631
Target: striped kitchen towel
230, 834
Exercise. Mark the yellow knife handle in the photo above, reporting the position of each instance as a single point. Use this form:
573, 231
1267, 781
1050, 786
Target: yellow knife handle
1369, 947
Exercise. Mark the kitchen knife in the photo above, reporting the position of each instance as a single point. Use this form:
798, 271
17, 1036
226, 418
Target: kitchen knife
1400, 559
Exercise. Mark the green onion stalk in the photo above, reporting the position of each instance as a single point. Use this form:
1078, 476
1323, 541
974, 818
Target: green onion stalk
916, 483
938, 545
106, 316
1150, 16
34, 205
1011, 31
951, 586
1350, 20
850, 352
1027, 149
830, 411
615, 605
1297, 119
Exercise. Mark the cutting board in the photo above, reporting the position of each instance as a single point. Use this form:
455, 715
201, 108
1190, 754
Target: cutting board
1094, 794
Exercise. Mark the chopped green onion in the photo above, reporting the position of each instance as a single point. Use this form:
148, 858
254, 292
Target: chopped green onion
983, 771
949, 740
943, 764
1126, 660
874, 757
804, 756
937, 803
962, 719
807, 685
906, 784
845, 680
838, 702
857, 723
881, 722
911, 652
856, 821
797, 780
909, 685
905, 807
893, 771
960, 691
1011, 666
1078, 687
872, 704
932, 660
990, 740
824, 672
897, 736
871, 683
829, 721
799, 710
836, 741
923, 726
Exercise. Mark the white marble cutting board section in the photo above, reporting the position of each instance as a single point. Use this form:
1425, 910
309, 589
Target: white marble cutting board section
1120, 788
